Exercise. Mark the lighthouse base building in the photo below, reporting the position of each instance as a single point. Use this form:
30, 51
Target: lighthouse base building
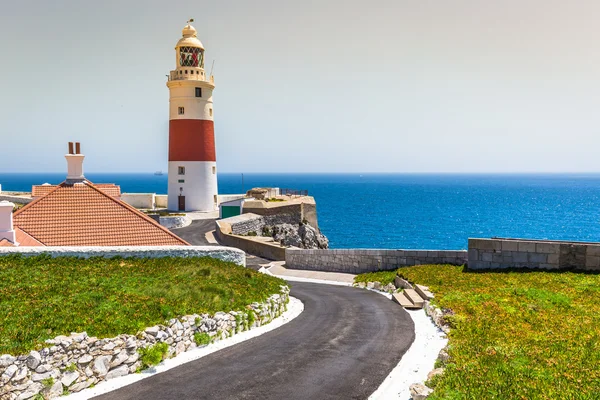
192, 154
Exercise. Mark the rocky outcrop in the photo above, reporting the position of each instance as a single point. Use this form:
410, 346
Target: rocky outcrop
303, 236
72, 363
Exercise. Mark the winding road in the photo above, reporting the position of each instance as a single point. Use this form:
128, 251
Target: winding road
342, 346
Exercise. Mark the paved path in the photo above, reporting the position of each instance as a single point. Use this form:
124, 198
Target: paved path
195, 233
278, 268
342, 346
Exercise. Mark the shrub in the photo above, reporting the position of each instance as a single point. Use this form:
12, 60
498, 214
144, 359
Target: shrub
153, 355
202, 338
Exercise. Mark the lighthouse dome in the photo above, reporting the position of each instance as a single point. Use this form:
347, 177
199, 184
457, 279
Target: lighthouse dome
189, 38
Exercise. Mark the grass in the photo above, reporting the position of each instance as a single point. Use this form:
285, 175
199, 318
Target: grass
43, 297
153, 355
384, 277
517, 335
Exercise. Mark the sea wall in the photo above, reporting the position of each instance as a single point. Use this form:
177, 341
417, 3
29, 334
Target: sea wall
220, 252
361, 261
533, 254
271, 251
72, 363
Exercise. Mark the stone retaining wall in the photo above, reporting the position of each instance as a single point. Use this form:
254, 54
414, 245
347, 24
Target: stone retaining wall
15, 199
72, 363
534, 254
360, 261
271, 251
221, 252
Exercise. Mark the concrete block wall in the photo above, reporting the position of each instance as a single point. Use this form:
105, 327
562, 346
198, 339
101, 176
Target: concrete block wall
361, 261
533, 254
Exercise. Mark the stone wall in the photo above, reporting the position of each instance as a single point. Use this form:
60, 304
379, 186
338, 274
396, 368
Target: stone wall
242, 224
291, 211
70, 364
360, 261
271, 251
222, 253
535, 254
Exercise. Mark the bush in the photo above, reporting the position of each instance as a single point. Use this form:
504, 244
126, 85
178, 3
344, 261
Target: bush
153, 355
202, 338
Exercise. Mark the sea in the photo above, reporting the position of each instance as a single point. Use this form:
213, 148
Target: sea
409, 211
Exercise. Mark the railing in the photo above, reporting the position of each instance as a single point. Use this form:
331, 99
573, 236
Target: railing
293, 192
176, 76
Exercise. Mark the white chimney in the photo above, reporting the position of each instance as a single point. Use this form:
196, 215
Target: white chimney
74, 163
6, 222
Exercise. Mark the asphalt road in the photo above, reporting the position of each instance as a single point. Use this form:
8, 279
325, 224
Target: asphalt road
342, 346
194, 233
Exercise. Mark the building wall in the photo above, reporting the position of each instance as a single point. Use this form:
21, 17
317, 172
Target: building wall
140, 200
361, 261
199, 186
533, 254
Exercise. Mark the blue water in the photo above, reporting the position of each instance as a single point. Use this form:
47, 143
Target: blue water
412, 211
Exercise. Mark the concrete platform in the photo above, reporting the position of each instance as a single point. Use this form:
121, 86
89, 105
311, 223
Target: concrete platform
414, 297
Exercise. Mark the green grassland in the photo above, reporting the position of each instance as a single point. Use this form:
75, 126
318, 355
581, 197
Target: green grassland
517, 335
43, 297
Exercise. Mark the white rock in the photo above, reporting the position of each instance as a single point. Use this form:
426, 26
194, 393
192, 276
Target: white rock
32, 390
43, 368
81, 385
6, 360
41, 377
86, 359
119, 359
69, 377
9, 372
119, 371
20, 375
108, 346
419, 391
33, 360
180, 348
152, 330
133, 358
101, 365
53, 391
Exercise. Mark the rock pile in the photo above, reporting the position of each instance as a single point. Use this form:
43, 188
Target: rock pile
303, 236
72, 363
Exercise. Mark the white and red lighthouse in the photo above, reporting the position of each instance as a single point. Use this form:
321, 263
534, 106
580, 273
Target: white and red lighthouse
192, 155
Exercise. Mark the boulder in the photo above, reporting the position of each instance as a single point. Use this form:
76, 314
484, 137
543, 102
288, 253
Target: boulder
101, 366
33, 360
435, 372
119, 371
6, 360
69, 377
419, 391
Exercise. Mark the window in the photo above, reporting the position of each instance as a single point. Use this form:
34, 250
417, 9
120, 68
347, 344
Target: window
214, 169
191, 57
181, 170
215, 199
210, 111
180, 111
181, 181
198, 91
186, 71
197, 72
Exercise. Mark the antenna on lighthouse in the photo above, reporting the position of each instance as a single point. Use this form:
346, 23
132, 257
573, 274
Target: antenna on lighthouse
212, 68
190, 20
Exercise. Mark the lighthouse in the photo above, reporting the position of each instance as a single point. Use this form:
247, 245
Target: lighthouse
192, 155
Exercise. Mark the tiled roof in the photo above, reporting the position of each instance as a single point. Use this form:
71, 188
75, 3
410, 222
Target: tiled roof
6, 243
109, 188
82, 215
25, 240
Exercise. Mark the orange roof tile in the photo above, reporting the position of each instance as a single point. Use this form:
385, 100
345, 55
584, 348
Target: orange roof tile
83, 215
109, 188
6, 243
25, 240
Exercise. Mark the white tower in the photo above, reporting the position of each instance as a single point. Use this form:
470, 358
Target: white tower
192, 155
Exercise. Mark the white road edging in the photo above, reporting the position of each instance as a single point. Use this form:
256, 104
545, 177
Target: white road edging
294, 308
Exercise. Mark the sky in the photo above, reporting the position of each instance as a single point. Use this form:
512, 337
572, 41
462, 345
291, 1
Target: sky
308, 86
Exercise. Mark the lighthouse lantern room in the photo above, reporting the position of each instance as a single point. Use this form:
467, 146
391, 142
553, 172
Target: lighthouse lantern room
192, 155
